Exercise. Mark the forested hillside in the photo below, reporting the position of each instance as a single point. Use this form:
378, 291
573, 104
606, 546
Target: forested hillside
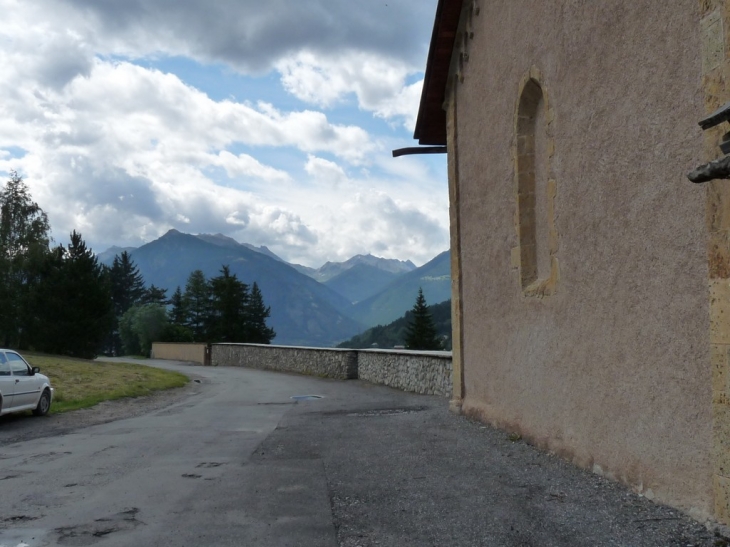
394, 334
60, 299
303, 311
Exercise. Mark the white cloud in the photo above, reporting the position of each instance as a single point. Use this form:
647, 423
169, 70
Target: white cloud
244, 165
249, 35
122, 152
377, 81
324, 170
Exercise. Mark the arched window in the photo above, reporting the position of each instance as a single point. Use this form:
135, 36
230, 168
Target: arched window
535, 192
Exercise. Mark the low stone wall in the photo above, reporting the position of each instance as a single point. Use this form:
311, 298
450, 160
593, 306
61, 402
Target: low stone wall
340, 364
417, 371
194, 353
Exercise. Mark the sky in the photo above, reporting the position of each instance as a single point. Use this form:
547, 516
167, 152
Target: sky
271, 122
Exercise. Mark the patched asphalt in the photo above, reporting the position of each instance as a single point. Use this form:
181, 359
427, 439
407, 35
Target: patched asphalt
237, 461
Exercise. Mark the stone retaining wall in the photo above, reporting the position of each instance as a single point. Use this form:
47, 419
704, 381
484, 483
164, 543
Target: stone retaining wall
416, 371
329, 363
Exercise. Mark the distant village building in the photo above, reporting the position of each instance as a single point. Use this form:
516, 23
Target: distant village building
591, 279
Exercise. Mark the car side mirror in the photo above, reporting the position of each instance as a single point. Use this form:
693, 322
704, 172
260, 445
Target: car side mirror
34, 370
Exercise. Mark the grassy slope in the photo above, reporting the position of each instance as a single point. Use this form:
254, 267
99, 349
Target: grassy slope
80, 384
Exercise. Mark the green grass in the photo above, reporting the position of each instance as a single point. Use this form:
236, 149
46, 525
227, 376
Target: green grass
79, 383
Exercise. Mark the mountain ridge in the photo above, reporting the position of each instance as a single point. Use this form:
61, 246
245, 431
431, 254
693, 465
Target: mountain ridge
361, 292
303, 311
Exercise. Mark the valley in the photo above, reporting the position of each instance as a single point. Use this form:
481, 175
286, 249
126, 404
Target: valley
309, 306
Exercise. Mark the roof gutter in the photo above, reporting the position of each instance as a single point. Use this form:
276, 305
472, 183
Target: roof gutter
413, 150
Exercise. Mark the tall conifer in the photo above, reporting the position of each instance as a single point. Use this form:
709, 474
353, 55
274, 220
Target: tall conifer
421, 332
258, 312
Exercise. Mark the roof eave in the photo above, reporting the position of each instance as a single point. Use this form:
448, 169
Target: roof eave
431, 121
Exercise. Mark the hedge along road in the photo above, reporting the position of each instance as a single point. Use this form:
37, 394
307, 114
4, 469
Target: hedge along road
236, 461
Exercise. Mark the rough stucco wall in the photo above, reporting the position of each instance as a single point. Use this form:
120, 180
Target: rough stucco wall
613, 370
194, 353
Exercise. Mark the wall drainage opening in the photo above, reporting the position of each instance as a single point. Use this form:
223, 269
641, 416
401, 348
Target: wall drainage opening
307, 397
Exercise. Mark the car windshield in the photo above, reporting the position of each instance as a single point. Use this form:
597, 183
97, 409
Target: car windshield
4, 365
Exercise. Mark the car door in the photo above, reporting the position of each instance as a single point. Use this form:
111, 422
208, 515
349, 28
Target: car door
7, 383
27, 387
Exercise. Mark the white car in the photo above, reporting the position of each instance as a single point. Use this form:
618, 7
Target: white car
22, 387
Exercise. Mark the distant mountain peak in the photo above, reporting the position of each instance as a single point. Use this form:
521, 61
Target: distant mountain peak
219, 239
390, 265
107, 257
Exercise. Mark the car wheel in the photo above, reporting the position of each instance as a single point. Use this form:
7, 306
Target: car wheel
44, 404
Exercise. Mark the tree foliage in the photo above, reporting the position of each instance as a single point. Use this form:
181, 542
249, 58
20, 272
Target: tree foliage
72, 302
127, 283
258, 312
421, 331
24, 241
140, 326
178, 312
154, 295
61, 300
197, 305
393, 334
228, 307
127, 289
221, 309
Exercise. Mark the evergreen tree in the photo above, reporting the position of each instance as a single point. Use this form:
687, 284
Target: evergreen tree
176, 331
197, 305
127, 283
177, 314
229, 304
421, 332
127, 286
127, 336
258, 312
155, 295
75, 297
47, 300
24, 240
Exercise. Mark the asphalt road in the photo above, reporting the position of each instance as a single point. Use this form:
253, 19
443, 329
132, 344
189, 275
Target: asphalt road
238, 462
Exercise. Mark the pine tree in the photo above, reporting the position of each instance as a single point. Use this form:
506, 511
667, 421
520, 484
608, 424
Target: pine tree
177, 314
127, 283
24, 240
229, 305
127, 288
421, 332
154, 295
75, 296
197, 305
258, 312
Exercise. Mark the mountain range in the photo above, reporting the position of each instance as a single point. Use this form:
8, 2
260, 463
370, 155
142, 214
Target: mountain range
309, 306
